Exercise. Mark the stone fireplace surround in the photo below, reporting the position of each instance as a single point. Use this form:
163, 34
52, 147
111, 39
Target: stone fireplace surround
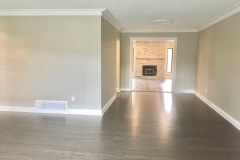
151, 53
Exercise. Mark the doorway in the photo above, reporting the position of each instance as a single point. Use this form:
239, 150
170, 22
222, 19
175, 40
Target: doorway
153, 64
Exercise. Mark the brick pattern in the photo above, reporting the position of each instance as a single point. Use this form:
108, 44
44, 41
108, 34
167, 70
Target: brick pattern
150, 53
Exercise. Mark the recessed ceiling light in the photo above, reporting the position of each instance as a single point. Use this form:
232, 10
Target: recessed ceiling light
162, 21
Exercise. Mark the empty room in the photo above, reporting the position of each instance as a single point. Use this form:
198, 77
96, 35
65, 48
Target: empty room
119, 80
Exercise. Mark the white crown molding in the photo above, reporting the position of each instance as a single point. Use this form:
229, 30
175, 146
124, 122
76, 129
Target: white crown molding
111, 19
156, 30
220, 17
63, 12
52, 12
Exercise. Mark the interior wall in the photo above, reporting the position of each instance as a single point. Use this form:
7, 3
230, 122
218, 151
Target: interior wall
218, 65
110, 37
186, 58
50, 58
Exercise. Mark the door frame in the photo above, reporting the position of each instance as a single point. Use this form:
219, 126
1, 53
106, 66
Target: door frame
154, 39
118, 65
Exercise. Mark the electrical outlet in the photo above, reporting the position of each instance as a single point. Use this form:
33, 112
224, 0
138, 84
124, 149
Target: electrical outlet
73, 98
206, 89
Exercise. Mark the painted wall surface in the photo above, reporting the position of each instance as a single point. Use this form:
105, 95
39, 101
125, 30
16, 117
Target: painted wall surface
50, 58
110, 38
218, 65
186, 58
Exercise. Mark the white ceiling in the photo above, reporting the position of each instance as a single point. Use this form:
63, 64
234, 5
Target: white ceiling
139, 14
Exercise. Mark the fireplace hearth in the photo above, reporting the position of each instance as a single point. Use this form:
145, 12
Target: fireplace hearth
149, 70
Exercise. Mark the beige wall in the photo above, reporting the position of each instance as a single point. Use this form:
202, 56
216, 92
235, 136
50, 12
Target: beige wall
186, 58
110, 37
218, 65
50, 58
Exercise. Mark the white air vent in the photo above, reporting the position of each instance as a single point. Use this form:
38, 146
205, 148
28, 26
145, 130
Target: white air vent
51, 105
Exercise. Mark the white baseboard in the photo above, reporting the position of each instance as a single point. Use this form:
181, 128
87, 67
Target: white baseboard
90, 112
175, 91
225, 115
106, 106
126, 89
183, 91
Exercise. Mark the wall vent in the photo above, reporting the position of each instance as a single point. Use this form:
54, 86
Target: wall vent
51, 105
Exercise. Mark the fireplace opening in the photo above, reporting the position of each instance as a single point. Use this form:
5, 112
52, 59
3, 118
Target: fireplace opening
149, 70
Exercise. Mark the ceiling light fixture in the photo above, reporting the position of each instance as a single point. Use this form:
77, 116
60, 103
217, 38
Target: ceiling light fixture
162, 21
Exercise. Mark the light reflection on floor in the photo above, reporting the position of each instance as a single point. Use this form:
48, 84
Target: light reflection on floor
167, 99
148, 104
155, 84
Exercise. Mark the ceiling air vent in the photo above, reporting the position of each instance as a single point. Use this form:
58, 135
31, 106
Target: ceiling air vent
51, 105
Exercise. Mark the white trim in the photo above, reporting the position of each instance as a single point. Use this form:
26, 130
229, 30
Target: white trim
92, 112
154, 39
105, 108
183, 91
174, 68
131, 63
225, 115
118, 90
111, 19
220, 17
157, 30
63, 12
126, 90
52, 12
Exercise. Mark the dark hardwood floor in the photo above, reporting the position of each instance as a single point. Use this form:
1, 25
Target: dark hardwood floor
138, 126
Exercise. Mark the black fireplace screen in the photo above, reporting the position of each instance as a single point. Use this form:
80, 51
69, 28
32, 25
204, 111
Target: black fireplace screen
149, 70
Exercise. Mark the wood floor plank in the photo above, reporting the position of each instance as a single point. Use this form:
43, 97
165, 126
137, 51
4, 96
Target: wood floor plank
138, 126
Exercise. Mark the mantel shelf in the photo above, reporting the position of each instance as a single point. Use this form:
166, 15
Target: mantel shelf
152, 58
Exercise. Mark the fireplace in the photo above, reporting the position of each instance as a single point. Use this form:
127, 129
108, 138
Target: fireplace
149, 70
